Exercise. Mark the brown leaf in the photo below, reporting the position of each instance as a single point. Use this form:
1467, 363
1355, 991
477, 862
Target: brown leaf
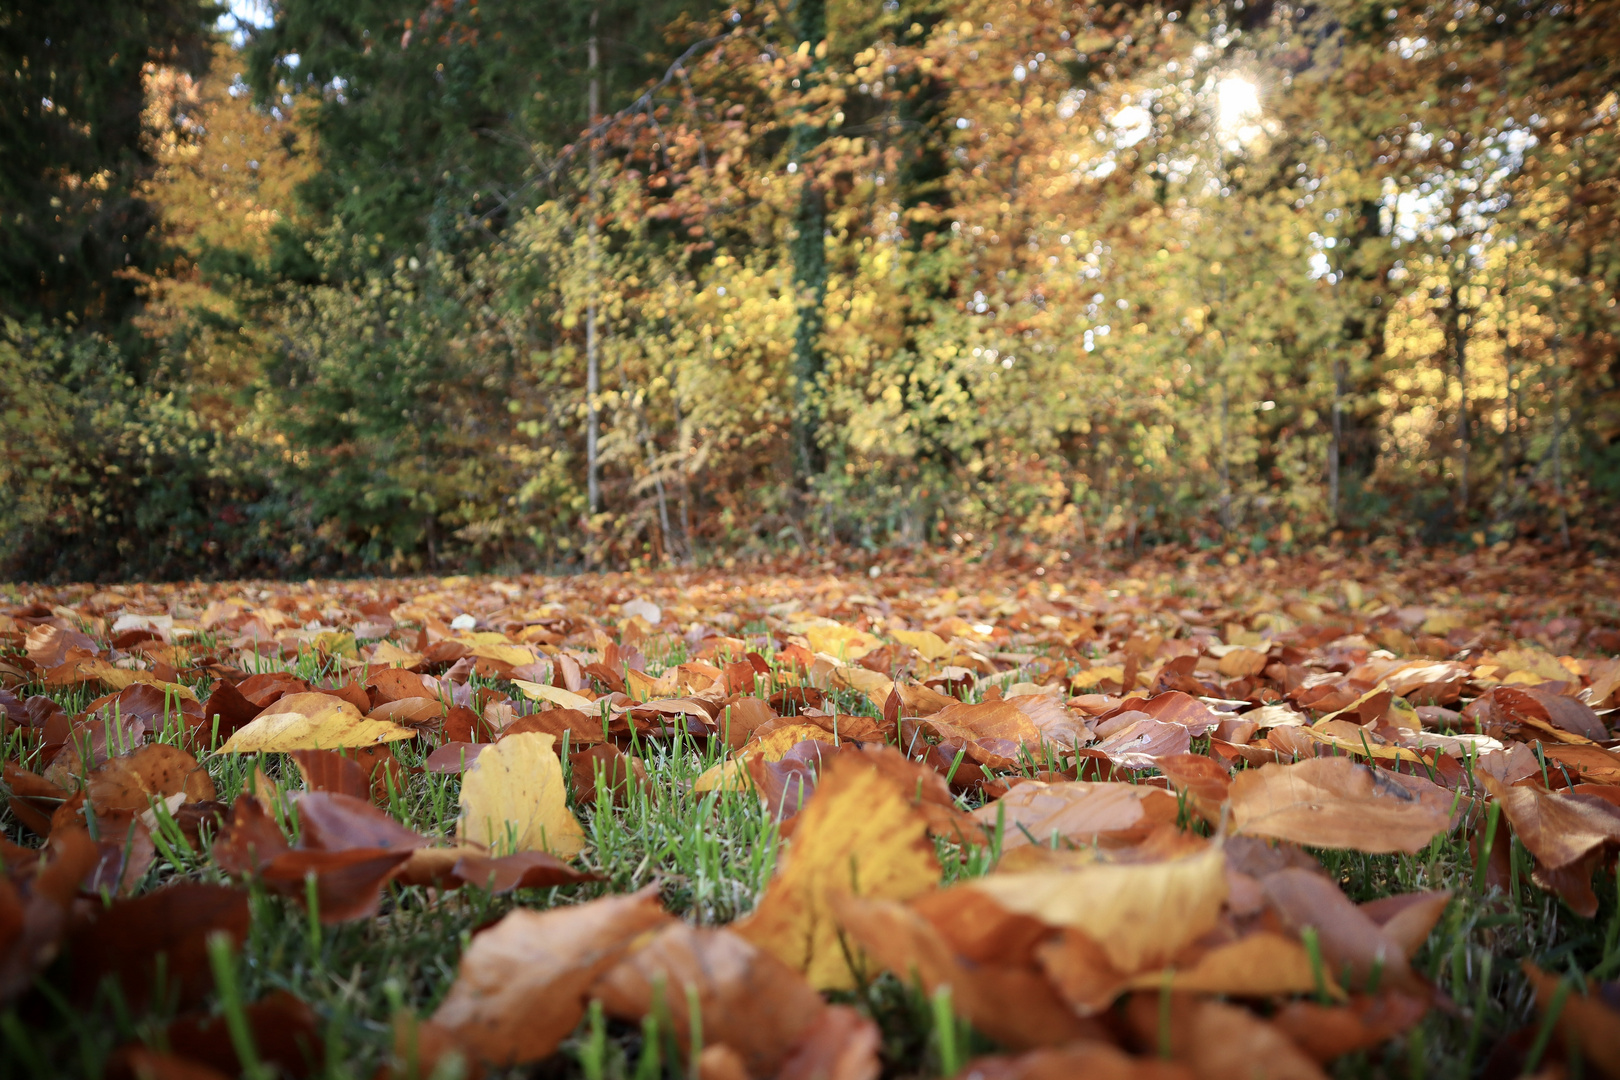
34, 901
1335, 802
250, 839
747, 998
523, 870
1564, 713
1557, 829
840, 1045
340, 822
231, 706
1079, 811
1350, 940
602, 769
1014, 1005
285, 1033
1329, 1031
328, 770
129, 783
166, 930
1092, 1060
522, 984
1585, 1020
348, 883
1219, 1041
993, 732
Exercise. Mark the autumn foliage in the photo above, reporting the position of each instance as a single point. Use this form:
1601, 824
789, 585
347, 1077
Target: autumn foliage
1114, 824
354, 289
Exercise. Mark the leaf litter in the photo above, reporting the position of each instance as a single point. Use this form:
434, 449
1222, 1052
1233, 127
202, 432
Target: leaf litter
1130, 827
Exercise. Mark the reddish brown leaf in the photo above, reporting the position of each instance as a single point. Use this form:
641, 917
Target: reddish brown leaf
126, 940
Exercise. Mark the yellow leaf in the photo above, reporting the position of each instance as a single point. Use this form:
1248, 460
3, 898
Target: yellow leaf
1095, 675
873, 685
505, 653
773, 745
565, 699
1140, 914
844, 642
514, 798
117, 678
311, 721
729, 775
387, 654
859, 836
336, 643
927, 643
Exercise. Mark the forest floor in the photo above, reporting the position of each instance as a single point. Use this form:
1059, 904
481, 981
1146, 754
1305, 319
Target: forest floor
1198, 816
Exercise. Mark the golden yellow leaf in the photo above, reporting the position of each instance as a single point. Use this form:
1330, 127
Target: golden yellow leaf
565, 699
929, 645
504, 653
859, 836
387, 654
731, 775
116, 678
1141, 914
311, 721
1094, 676
775, 744
844, 642
514, 798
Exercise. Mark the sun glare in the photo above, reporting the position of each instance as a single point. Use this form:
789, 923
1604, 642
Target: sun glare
1237, 103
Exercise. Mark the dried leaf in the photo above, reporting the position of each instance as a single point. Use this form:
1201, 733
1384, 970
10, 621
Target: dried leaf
1338, 803
1140, 914
747, 998
522, 984
311, 721
858, 836
514, 797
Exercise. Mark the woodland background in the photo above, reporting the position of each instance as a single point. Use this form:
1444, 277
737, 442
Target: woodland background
318, 289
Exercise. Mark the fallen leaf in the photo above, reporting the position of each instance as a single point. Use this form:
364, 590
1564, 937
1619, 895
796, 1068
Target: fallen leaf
1563, 832
859, 836
1329, 1031
603, 770
746, 998
840, 1045
1092, 1060
1338, 803
565, 699
1219, 1041
1013, 1004
285, 1033
994, 733
522, 984
165, 931
311, 721
1585, 1020
514, 797
1078, 811
1352, 942
1140, 914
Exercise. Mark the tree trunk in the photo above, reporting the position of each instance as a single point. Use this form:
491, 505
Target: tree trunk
809, 266
593, 359
1334, 448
